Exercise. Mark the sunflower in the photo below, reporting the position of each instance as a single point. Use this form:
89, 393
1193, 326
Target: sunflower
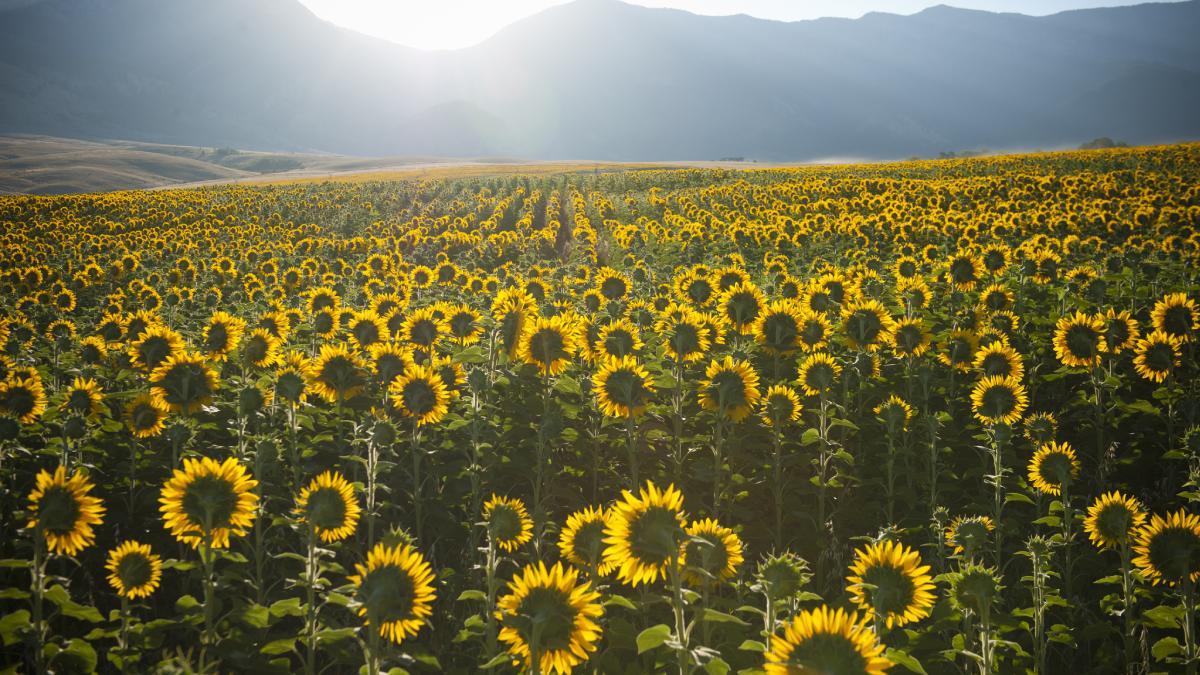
23, 397
464, 324
780, 405
581, 541
292, 376
814, 330
778, 328
1079, 340
1053, 467
389, 360
974, 588
999, 360
337, 374
644, 533
153, 346
424, 327
617, 339
207, 499
611, 284
221, 335
84, 397
623, 387
1120, 331
1113, 519
509, 525
960, 350
996, 298
146, 416
684, 334
867, 324
63, 510
895, 412
1176, 314
999, 400
888, 579
1157, 355
394, 590
968, 535
730, 388
420, 393
711, 554
818, 373
322, 298
134, 571
1168, 549
184, 382
1041, 428
328, 503
741, 305
548, 343
551, 611
93, 350
910, 338
825, 640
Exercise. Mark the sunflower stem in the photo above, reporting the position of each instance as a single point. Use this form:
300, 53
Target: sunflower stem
416, 476
1191, 658
124, 639
1132, 661
206, 559
718, 462
777, 484
681, 651
38, 588
631, 448
490, 571
310, 621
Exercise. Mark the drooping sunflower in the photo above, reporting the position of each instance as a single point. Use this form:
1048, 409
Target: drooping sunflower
999, 400
999, 360
1167, 549
221, 335
1053, 467
420, 393
63, 510
508, 522
818, 373
824, 640
207, 499
395, 590
553, 605
711, 554
968, 535
84, 397
780, 405
888, 579
581, 541
1157, 355
134, 570
1176, 314
778, 328
184, 382
623, 387
337, 373
867, 324
146, 416
549, 344
23, 397
730, 388
644, 533
1113, 519
328, 504
1079, 340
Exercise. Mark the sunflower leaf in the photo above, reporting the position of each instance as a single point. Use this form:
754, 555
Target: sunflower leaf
653, 637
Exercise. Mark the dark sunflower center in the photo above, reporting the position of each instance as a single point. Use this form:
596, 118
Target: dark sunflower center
971, 536
144, 416
462, 324
864, 326
821, 302
779, 408
366, 332
699, 291
828, 653
728, 280
993, 260
19, 400
819, 376
960, 350
185, 383
685, 339
1114, 522
388, 593
709, 555
1048, 268
134, 570
256, 349
625, 387
1083, 342
1177, 320
1160, 357
340, 374
549, 609
742, 308
419, 397
504, 523
654, 535
326, 509
613, 288
893, 590
323, 323
153, 351
618, 343
1055, 468
996, 364
589, 541
998, 401
389, 366
729, 389
1175, 553
547, 346
321, 301
1117, 334
996, 300
210, 501
907, 268
217, 338
908, 338
780, 331
58, 510
80, 401
962, 270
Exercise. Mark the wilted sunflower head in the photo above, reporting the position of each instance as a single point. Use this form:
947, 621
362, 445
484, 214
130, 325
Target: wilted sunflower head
508, 523
1112, 520
63, 511
134, 571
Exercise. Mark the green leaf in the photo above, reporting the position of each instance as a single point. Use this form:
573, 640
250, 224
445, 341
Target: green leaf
13, 594
256, 616
330, 635
714, 616
11, 624
281, 646
78, 655
1017, 497
1163, 616
59, 596
653, 637
568, 385
716, 666
471, 595
810, 436
497, 660
1168, 646
752, 646
13, 563
620, 601
288, 607
903, 659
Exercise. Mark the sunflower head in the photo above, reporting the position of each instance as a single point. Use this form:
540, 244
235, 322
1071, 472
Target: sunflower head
394, 590
888, 579
818, 373
551, 611
910, 338
208, 500
184, 382
508, 523
549, 344
644, 534
1157, 356
999, 360
420, 394
684, 332
623, 387
780, 406
581, 541
63, 511
867, 324
328, 504
968, 535
778, 328
1112, 519
134, 571
782, 576
999, 400
146, 416
1040, 428
1167, 549
712, 553
1053, 467
975, 588
1176, 314
895, 413
730, 388
825, 640
23, 397
1079, 340
337, 374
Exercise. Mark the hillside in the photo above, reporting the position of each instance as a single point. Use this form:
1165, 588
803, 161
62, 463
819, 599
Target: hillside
602, 79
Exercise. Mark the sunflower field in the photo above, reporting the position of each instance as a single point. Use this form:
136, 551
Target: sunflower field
928, 417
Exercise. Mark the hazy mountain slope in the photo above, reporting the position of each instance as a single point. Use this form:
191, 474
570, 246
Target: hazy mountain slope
602, 79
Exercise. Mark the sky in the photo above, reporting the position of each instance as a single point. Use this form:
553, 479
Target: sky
452, 24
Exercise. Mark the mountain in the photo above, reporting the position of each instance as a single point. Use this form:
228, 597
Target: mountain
601, 79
